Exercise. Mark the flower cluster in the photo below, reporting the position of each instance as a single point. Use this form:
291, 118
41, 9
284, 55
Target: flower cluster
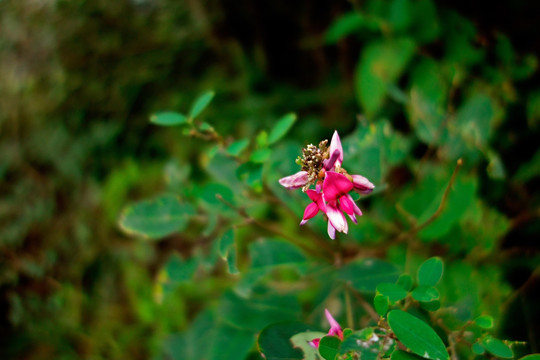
321, 167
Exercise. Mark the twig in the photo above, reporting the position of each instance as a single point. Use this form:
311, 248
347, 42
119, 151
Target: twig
316, 252
443, 200
367, 306
350, 317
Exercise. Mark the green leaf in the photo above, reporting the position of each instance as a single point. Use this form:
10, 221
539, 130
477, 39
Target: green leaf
178, 269
431, 306
157, 218
270, 252
428, 101
259, 310
531, 357
168, 118
403, 355
405, 281
260, 155
417, 336
200, 104
192, 344
425, 293
380, 302
274, 341
226, 242
237, 147
381, 64
430, 272
478, 349
497, 347
484, 321
282, 127
328, 347
473, 119
227, 250
230, 343
364, 275
393, 291
346, 25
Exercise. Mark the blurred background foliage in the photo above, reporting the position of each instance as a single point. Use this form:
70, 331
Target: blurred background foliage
412, 85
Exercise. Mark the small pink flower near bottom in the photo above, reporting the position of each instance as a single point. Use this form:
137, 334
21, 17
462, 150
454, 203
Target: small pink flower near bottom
335, 329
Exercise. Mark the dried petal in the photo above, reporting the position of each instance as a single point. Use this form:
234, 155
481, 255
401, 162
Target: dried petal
295, 181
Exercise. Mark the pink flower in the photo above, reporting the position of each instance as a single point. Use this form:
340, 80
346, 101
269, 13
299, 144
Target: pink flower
335, 329
322, 167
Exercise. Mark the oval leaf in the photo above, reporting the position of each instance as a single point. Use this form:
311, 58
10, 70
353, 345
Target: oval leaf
154, 219
484, 321
430, 272
393, 291
403, 355
168, 118
425, 293
380, 302
497, 347
282, 127
328, 347
531, 357
200, 104
417, 336
405, 281
237, 147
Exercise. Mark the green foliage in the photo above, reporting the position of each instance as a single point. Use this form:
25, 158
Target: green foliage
411, 86
154, 219
168, 118
416, 335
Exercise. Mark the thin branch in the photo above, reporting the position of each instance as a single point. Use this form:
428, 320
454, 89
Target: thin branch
294, 240
367, 306
443, 200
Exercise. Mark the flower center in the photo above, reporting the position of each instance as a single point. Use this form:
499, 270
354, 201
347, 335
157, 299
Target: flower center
312, 160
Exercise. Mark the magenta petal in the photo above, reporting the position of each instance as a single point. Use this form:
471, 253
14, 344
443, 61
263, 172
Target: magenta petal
346, 204
295, 181
315, 343
336, 217
329, 163
362, 185
331, 231
335, 185
356, 209
335, 329
335, 144
311, 210
317, 198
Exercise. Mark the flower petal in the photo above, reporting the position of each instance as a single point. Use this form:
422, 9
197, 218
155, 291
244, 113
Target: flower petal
335, 329
335, 185
311, 210
295, 181
317, 198
356, 209
329, 163
331, 231
346, 204
336, 217
315, 343
335, 144
362, 185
